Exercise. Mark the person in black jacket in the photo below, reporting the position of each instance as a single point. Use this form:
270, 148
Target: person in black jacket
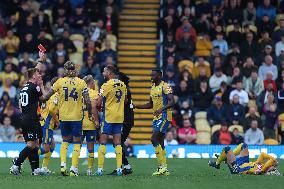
202, 97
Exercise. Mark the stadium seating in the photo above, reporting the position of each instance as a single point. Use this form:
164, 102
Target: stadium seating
203, 138
215, 128
137, 56
201, 115
271, 142
239, 127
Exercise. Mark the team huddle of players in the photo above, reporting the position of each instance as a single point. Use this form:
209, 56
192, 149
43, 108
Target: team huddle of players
73, 105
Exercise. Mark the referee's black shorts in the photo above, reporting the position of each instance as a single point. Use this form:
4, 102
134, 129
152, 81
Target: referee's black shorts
31, 130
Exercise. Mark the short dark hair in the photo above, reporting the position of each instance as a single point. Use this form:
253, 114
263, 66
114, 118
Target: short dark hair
159, 71
30, 73
112, 69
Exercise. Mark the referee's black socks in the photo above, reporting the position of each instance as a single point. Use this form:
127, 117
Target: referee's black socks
23, 155
34, 159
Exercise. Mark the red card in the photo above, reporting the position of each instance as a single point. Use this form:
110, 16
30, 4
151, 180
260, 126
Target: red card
41, 48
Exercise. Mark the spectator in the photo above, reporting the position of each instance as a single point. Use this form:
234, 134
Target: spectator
111, 21
171, 78
217, 111
201, 77
221, 43
270, 116
241, 93
183, 93
254, 85
265, 42
187, 77
42, 20
203, 46
28, 44
266, 67
59, 27
216, 79
267, 51
187, 134
11, 43
252, 115
169, 25
78, 21
222, 136
42, 39
202, 97
269, 79
236, 112
29, 27
279, 46
280, 99
89, 51
7, 131
98, 32
169, 45
235, 36
89, 68
262, 98
233, 14
68, 44
265, 24
108, 51
59, 51
8, 73
237, 138
186, 47
254, 136
225, 90
203, 8
26, 61
92, 9
201, 63
248, 67
9, 88
186, 27
249, 14
279, 32
169, 140
249, 46
266, 9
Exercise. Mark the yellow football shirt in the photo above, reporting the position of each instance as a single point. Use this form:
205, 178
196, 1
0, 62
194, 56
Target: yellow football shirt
113, 92
159, 97
51, 104
87, 124
70, 98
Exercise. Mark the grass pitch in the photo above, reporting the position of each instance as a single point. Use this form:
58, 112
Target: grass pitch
185, 173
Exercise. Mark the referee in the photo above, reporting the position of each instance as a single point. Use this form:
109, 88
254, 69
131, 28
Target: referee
127, 125
30, 96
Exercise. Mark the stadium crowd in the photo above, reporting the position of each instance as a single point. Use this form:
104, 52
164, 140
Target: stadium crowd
67, 29
223, 57
226, 58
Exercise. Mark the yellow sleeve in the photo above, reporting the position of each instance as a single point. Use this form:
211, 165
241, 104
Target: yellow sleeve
56, 86
167, 89
104, 90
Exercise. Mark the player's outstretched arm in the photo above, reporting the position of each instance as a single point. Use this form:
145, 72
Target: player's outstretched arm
145, 106
87, 102
46, 96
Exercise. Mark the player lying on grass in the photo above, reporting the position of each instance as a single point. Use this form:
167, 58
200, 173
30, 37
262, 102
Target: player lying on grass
49, 123
238, 162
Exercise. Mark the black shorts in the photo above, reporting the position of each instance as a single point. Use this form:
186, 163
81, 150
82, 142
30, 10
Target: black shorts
31, 130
